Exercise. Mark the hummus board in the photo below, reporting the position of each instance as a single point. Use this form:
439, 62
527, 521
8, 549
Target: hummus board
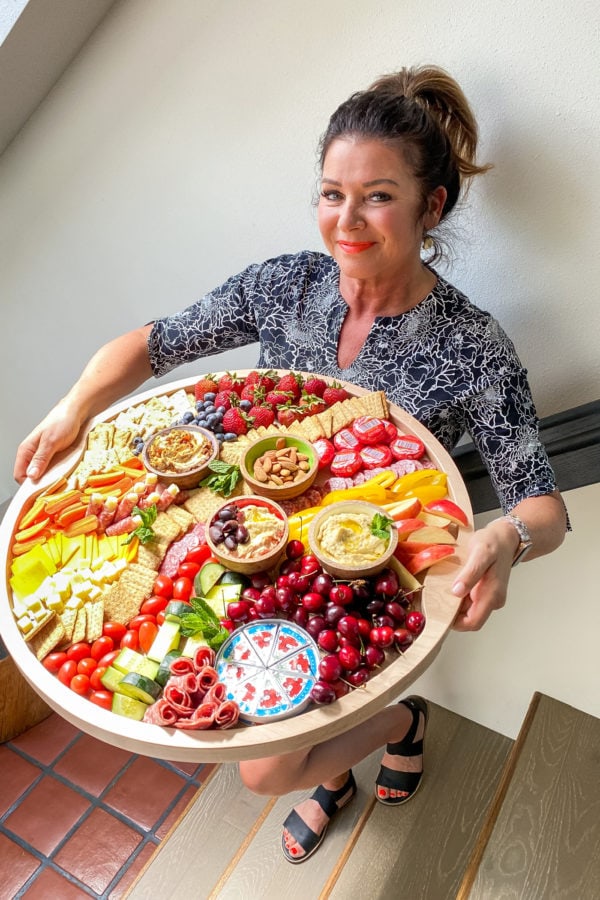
244, 741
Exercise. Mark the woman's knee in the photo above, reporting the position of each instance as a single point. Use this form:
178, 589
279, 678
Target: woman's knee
257, 777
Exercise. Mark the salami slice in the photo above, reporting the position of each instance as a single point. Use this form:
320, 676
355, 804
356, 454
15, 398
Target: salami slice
202, 718
182, 665
205, 678
180, 548
178, 700
218, 693
161, 713
204, 656
227, 714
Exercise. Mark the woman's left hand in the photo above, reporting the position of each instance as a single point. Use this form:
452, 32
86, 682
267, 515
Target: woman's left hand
483, 580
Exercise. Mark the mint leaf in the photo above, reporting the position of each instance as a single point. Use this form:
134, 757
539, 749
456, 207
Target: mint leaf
224, 479
144, 532
380, 526
202, 619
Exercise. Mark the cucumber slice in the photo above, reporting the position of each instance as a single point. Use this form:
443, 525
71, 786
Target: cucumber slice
192, 644
164, 669
139, 687
132, 661
207, 577
176, 608
234, 578
166, 640
112, 678
129, 707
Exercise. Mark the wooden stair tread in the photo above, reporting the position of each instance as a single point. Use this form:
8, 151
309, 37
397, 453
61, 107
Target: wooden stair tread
227, 846
545, 837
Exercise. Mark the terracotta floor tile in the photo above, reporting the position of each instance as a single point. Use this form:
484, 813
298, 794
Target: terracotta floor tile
98, 849
16, 866
45, 741
46, 814
145, 854
144, 791
17, 775
176, 813
189, 769
49, 885
92, 764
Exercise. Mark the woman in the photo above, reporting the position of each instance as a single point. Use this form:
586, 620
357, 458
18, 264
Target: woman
395, 159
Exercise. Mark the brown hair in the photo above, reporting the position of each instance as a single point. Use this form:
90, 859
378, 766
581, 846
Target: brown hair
425, 112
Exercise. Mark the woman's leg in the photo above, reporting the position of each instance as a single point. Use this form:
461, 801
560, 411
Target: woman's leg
328, 763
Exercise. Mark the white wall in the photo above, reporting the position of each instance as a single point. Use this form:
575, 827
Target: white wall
545, 639
180, 145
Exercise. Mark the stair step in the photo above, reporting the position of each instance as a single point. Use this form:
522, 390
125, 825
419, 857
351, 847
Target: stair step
542, 838
227, 846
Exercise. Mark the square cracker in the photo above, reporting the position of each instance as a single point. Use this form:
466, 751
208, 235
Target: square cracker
68, 617
180, 516
94, 619
49, 637
166, 528
124, 598
80, 627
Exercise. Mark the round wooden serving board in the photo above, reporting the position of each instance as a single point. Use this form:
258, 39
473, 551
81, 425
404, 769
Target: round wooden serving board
246, 741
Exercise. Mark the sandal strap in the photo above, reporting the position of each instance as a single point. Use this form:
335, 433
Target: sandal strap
328, 800
302, 834
408, 746
398, 781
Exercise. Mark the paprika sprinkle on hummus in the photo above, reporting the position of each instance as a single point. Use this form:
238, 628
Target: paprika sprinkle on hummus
179, 450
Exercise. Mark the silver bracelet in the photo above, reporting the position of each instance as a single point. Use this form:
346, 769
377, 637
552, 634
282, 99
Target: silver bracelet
525, 541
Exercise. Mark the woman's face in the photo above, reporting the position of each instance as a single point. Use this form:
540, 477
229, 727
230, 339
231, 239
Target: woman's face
371, 211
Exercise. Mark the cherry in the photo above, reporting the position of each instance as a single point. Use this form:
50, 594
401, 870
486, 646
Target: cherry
347, 641
341, 594
300, 616
374, 656
251, 594
260, 580
285, 599
333, 613
270, 592
283, 581
322, 692
328, 641
322, 584
384, 620
341, 687
387, 583
313, 602
374, 606
358, 676
294, 550
330, 668
265, 607
402, 639
415, 621
382, 636
364, 627
299, 581
348, 626
349, 657
315, 626
289, 565
310, 565
238, 610
253, 614
396, 611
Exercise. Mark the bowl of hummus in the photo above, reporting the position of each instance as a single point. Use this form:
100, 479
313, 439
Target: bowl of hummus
352, 538
248, 534
180, 454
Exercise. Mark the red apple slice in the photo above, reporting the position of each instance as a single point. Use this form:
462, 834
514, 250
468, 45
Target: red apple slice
426, 558
431, 519
404, 509
448, 510
404, 527
431, 534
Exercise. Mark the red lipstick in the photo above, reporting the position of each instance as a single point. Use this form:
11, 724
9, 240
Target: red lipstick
355, 246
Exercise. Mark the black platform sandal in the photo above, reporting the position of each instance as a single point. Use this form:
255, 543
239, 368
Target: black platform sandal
406, 782
305, 836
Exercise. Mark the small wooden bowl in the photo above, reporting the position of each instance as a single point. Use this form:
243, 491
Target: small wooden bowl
190, 478
275, 491
265, 561
345, 568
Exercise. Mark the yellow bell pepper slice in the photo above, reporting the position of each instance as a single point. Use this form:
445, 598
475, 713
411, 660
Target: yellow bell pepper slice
428, 492
421, 476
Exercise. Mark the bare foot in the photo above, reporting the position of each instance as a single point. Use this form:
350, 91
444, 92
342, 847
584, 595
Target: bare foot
311, 813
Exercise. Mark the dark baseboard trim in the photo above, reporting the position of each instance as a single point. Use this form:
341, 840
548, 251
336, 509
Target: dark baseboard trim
572, 441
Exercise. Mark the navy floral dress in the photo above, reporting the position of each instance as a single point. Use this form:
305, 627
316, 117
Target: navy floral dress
446, 362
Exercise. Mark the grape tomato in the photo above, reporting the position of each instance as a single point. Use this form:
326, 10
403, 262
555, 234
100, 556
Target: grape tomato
102, 698
163, 586
153, 605
101, 647
147, 633
78, 651
67, 672
53, 661
199, 554
86, 666
136, 623
96, 678
130, 640
115, 630
80, 684
188, 569
182, 589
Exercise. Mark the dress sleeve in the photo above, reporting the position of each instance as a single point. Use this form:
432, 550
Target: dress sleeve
503, 424
222, 320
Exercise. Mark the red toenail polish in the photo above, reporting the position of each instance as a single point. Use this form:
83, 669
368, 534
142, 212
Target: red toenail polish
381, 792
293, 850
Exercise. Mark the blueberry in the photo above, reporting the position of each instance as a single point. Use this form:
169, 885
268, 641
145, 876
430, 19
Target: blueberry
230, 436
199, 405
219, 436
210, 395
245, 405
202, 422
211, 420
187, 417
218, 428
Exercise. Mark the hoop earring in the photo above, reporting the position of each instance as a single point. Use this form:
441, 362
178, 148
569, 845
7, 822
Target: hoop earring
427, 242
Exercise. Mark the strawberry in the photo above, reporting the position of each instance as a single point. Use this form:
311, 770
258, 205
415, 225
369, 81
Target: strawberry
261, 415
252, 377
334, 393
288, 414
291, 382
311, 404
234, 421
206, 385
227, 399
231, 381
268, 380
278, 398
315, 386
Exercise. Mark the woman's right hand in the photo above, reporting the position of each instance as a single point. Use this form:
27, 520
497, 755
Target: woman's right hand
55, 433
